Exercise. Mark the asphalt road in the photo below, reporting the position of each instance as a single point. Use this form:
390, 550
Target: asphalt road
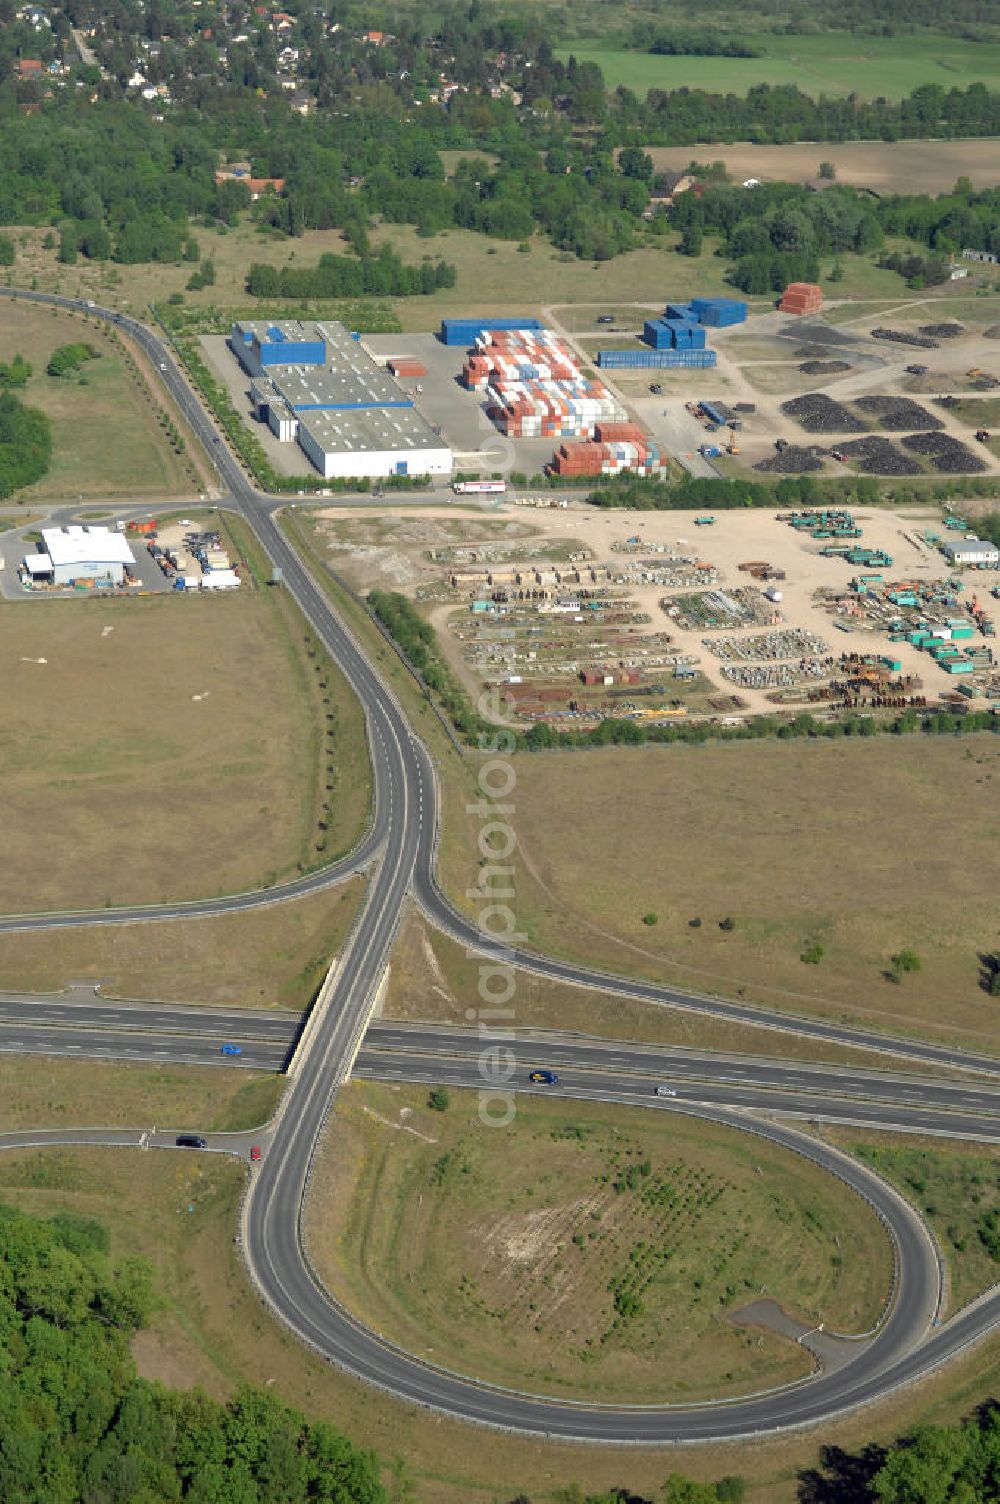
611, 1069
403, 837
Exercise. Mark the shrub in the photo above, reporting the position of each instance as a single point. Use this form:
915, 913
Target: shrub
813, 954
649, 918
904, 961
728, 924
438, 1099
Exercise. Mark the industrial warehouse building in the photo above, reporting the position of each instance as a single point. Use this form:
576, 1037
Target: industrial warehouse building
973, 551
316, 383
69, 554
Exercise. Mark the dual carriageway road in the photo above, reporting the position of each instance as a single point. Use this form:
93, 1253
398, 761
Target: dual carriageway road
399, 852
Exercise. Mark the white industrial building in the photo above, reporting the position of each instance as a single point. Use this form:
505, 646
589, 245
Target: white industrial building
317, 384
76, 553
973, 551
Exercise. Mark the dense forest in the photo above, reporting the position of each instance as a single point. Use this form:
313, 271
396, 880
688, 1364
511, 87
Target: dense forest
353, 131
25, 439
77, 1426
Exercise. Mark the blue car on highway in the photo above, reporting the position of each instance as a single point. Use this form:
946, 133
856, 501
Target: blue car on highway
543, 1078
232, 1049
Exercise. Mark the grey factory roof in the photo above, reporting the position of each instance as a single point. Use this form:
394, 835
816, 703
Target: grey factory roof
336, 386
350, 376
377, 428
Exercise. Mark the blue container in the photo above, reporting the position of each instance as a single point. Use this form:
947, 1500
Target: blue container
467, 331
682, 311
685, 335
656, 332
622, 360
719, 313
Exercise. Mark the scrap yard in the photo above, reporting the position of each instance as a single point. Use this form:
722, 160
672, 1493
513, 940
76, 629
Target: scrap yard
584, 615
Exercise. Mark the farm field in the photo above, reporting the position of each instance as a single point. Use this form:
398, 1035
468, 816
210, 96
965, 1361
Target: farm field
263, 958
584, 1250
212, 1332
105, 438
849, 845
885, 166
60, 1093
832, 63
162, 748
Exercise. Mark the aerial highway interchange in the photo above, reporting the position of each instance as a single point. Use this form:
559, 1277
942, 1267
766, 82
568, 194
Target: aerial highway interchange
398, 852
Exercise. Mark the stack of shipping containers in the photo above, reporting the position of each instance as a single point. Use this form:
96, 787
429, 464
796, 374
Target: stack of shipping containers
619, 449
627, 360
534, 386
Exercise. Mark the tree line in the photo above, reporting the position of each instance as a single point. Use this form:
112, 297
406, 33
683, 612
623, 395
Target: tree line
384, 275
775, 233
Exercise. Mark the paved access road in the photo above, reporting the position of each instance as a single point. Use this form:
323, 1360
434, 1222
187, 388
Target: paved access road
403, 839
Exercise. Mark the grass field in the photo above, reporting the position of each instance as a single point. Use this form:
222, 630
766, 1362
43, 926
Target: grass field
831, 63
955, 1186
584, 1250
851, 845
212, 1332
105, 439
169, 748
36, 1091
263, 958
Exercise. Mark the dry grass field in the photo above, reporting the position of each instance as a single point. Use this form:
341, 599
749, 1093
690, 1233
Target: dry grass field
887, 167
432, 978
167, 748
105, 438
212, 1332
53, 1093
263, 958
584, 1250
864, 848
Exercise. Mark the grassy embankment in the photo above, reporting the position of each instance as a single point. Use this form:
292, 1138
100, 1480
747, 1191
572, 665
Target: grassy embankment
584, 1250
57, 1093
955, 1186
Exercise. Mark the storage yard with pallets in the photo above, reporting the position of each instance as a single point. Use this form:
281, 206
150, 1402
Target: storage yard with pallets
580, 615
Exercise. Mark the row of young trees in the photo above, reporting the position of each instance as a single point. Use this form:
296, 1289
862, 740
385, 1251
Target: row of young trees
384, 275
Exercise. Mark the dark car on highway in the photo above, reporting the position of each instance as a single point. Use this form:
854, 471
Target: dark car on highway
543, 1078
191, 1141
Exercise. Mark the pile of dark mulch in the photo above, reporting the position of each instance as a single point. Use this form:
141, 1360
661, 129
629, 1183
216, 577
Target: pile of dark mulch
793, 460
877, 456
818, 413
942, 331
897, 414
946, 454
824, 367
